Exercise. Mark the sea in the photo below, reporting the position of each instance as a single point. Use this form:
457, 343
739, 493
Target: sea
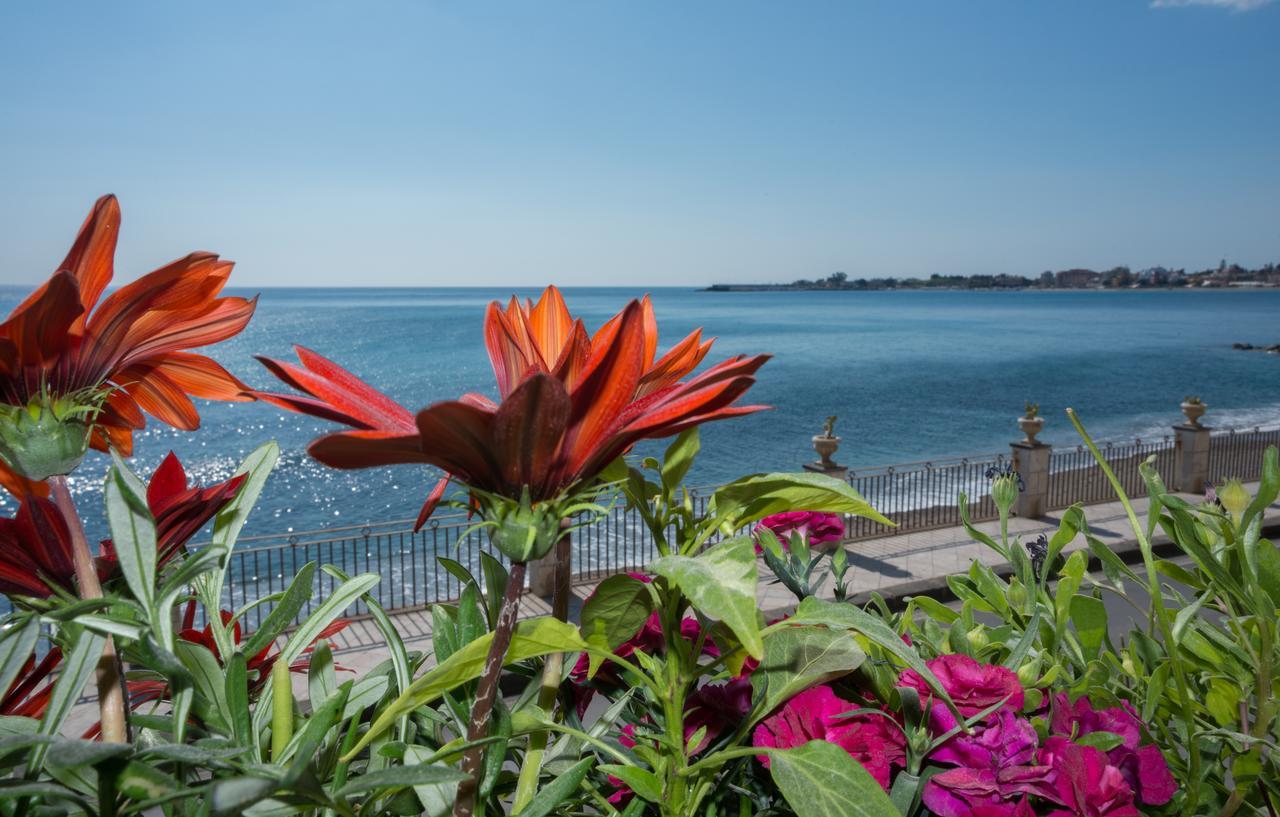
910, 376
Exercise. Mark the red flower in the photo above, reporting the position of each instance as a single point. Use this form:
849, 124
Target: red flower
35, 551
1143, 766
974, 687
570, 404
815, 714
179, 509
63, 341
23, 699
814, 527
1085, 782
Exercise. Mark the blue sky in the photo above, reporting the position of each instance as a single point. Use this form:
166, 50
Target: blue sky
485, 143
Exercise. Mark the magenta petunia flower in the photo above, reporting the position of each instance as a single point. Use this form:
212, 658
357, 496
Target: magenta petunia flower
814, 526
974, 687
1085, 783
996, 763
1144, 767
814, 714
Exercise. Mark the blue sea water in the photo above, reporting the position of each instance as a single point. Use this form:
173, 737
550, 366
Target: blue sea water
911, 376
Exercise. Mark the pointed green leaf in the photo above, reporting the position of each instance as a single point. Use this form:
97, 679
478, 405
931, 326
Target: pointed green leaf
721, 584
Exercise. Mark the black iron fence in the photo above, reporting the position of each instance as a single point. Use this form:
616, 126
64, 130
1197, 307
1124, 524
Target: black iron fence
917, 496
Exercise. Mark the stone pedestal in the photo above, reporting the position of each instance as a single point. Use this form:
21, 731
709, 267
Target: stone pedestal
837, 471
551, 572
1031, 461
542, 575
1190, 458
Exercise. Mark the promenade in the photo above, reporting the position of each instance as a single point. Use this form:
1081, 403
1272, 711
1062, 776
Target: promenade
893, 566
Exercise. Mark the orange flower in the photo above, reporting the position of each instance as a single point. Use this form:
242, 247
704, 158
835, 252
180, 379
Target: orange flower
570, 404
67, 340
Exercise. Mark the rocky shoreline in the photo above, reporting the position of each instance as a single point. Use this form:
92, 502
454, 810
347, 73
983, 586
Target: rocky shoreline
1273, 349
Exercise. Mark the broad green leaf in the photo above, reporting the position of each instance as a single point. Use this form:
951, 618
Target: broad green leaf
1089, 615
532, 638
820, 779
796, 658
752, 498
850, 617
285, 611
721, 584
234, 795
558, 790
1103, 741
643, 782
133, 531
679, 458
615, 612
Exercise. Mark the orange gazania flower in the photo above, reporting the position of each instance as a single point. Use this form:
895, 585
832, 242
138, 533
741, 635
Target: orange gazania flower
570, 403
67, 339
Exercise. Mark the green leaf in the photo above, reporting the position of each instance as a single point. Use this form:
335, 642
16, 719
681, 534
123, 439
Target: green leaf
796, 658
615, 612
133, 531
495, 586
233, 795
285, 611
77, 668
820, 779
208, 677
679, 458
752, 498
1103, 741
849, 617
1089, 615
17, 641
721, 584
641, 781
532, 638
397, 777
558, 790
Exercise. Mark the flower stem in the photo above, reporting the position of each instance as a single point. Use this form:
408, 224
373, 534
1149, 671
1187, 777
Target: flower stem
111, 692
487, 692
552, 670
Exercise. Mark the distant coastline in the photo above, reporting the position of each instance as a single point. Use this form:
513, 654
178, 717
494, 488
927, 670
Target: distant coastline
1223, 276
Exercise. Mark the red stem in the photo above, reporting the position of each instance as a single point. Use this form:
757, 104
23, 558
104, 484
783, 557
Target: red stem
487, 692
111, 693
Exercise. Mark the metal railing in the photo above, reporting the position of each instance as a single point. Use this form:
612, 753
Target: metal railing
917, 496
1075, 476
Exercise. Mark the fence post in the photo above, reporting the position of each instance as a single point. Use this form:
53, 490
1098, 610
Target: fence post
1191, 457
1031, 461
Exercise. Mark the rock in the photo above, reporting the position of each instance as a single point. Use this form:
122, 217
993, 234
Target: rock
1242, 346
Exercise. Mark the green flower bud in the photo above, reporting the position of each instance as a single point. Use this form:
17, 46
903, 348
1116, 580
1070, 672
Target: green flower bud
978, 637
1017, 594
1029, 673
1004, 491
523, 531
47, 437
1234, 498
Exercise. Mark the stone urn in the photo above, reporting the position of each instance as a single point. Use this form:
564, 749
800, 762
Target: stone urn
1193, 412
826, 445
1031, 426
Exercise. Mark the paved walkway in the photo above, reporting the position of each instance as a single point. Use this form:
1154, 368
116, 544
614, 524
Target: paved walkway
893, 566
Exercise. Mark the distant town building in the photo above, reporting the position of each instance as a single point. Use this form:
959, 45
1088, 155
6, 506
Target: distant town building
1077, 278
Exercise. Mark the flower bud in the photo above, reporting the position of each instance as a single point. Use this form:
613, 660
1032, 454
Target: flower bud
1004, 490
1029, 673
45, 438
523, 531
1017, 594
1234, 498
978, 637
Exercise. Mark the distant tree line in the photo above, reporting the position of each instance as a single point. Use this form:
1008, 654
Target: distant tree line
1115, 278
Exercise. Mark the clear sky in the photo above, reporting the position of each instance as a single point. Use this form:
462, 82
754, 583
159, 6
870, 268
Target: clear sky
663, 143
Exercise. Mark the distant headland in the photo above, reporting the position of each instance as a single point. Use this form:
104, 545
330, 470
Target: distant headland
1224, 275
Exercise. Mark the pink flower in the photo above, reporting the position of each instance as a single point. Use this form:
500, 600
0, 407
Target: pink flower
814, 526
717, 707
996, 763
974, 687
1085, 783
814, 714
1144, 767
1022, 808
